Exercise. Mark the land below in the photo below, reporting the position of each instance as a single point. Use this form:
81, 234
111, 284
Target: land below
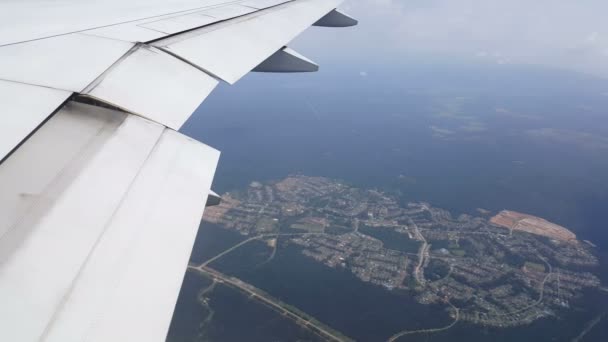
481, 272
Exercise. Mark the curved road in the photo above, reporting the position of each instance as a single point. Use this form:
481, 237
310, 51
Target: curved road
540, 296
432, 330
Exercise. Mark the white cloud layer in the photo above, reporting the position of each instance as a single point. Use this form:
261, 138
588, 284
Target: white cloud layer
557, 33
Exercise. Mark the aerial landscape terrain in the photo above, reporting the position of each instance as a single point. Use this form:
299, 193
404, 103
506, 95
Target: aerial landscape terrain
406, 195
450, 213
505, 270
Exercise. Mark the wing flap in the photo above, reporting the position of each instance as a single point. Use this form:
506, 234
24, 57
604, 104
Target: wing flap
63, 218
115, 171
161, 212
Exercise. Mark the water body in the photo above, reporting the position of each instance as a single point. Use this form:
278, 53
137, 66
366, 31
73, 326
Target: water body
391, 239
360, 310
335, 297
459, 137
235, 317
564, 328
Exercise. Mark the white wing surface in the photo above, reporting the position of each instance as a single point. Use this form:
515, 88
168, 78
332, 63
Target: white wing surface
100, 196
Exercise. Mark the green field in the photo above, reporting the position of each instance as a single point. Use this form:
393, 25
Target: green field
533, 266
267, 225
458, 252
314, 228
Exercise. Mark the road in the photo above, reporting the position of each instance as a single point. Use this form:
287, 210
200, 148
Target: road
257, 237
278, 306
588, 327
540, 296
423, 254
275, 304
432, 330
244, 242
257, 294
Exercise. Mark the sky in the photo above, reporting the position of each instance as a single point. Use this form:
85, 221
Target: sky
361, 75
570, 35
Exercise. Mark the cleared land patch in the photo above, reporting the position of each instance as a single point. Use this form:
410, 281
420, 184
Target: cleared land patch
532, 224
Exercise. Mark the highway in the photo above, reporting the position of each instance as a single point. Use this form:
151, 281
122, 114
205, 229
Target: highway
257, 294
273, 303
278, 306
257, 237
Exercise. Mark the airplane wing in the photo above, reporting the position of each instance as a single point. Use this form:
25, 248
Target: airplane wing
100, 196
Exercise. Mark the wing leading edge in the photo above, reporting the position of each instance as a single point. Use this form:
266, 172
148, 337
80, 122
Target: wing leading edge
100, 196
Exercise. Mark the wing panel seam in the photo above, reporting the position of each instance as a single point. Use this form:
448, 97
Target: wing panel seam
65, 297
113, 24
27, 137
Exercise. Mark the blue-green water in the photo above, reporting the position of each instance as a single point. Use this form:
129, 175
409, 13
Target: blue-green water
360, 310
234, 317
459, 137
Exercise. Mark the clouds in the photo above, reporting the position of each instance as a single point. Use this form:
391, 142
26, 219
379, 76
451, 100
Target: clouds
557, 33
570, 137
